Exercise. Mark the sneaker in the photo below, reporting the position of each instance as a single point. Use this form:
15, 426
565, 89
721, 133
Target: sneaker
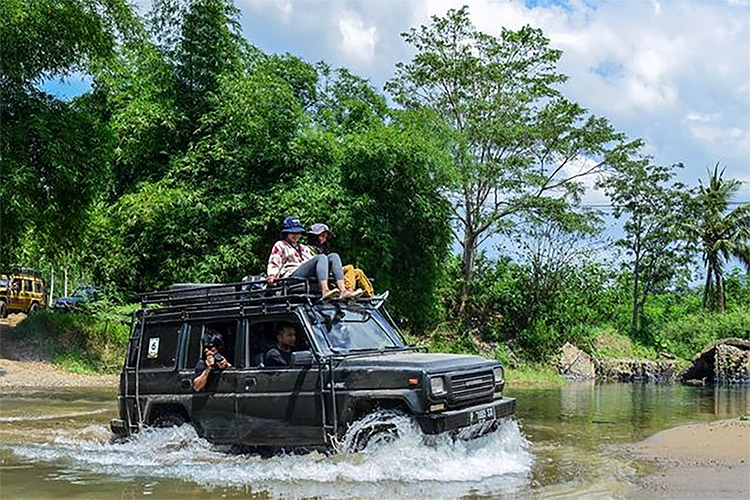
355, 294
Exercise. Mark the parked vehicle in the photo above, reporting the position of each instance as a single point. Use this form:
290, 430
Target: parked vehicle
21, 290
350, 361
83, 295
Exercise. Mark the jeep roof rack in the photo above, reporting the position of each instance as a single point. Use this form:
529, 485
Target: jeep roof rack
255, 292
16, 268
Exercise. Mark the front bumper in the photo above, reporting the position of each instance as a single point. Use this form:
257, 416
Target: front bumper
484, 416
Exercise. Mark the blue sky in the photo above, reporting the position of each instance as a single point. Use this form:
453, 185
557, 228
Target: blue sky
674, 73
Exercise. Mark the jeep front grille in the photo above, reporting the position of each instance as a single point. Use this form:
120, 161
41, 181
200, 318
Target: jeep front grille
470, 386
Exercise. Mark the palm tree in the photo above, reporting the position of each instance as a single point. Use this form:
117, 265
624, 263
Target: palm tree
724, 234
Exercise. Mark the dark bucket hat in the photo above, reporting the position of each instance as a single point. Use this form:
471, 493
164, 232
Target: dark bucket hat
292, 225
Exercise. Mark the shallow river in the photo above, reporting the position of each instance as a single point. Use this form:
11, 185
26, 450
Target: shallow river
565, 442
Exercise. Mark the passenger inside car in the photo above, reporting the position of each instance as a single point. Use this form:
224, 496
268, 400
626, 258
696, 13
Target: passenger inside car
281, 353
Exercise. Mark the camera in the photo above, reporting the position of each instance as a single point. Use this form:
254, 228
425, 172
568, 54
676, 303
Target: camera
218, 358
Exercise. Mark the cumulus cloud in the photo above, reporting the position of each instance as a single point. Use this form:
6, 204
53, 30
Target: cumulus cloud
357, 40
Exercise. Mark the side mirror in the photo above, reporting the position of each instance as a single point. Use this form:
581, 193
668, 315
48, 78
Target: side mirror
302, 358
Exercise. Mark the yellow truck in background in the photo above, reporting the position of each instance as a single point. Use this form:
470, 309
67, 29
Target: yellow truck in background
21, 290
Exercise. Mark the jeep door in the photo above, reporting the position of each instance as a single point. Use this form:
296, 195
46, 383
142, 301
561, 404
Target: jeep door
213, 410
277, 406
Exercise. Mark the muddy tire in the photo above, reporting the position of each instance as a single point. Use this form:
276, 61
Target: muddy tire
33, 308
379, 427
168, 420
3, 309
381, 434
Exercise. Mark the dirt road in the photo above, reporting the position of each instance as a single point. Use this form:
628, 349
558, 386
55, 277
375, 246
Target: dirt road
22, 368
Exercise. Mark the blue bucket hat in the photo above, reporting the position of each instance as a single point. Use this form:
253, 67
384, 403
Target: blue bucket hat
292, 225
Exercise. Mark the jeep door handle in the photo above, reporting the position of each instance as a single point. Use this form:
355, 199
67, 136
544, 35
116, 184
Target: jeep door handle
249, 382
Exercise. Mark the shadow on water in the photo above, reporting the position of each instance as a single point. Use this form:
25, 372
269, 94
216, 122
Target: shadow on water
564, 443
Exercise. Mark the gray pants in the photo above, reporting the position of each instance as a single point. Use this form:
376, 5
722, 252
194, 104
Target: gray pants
319, 267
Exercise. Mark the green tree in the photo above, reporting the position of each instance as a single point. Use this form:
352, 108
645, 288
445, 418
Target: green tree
55, 155
518, 143
724, 234
656, 238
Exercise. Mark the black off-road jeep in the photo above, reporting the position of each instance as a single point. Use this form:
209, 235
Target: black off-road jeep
350, 361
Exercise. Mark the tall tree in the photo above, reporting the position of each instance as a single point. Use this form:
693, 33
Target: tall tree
724, 233
53, 153
656, 236
518, 143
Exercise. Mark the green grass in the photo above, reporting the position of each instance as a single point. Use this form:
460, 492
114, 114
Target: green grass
609, 344
533, 375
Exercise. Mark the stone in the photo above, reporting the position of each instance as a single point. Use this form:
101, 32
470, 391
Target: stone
731, 365
637, 370
574, 364
726, 361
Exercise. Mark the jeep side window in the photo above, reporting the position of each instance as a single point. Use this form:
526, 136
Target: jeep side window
159, 346
263, 337
27, 287
228, 331
37, 287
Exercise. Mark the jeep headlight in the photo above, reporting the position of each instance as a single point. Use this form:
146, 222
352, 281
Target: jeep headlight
437, 386
499, 374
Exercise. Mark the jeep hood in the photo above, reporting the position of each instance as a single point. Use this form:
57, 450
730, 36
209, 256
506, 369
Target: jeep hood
431, 363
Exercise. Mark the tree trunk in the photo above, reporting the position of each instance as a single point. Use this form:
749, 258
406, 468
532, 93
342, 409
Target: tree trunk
722, 298
636, 285
706, 288
467, 269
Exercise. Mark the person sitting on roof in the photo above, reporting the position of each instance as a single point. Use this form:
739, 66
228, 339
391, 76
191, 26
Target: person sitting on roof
355, 279
290, 258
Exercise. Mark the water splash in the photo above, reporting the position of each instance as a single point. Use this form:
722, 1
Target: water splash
410, 466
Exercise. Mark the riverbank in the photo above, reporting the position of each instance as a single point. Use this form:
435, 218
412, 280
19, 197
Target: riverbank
23, 365
705, 460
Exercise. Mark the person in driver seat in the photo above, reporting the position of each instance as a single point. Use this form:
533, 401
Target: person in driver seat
281, 353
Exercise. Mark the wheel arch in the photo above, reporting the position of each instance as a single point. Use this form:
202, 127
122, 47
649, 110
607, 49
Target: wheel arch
157, 409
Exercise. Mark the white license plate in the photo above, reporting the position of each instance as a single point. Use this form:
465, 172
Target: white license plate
483, 415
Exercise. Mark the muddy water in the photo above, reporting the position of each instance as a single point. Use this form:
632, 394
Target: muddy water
566, 442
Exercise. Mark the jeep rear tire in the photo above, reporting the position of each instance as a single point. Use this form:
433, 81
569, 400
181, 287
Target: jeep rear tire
168, 420
33, 308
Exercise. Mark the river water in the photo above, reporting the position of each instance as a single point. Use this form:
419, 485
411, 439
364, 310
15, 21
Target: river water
565, 443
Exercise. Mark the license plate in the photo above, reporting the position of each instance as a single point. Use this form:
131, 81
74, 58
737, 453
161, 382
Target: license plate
483, 415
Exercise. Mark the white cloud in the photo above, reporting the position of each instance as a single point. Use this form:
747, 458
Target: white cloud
357, 41
651, 67
282, 9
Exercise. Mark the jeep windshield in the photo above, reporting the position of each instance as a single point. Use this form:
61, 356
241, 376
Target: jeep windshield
356, 330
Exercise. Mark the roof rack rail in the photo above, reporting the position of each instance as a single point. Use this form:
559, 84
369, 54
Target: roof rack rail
182, 295
15, 268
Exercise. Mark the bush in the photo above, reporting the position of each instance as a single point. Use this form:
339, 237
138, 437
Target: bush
687, 336
79, 343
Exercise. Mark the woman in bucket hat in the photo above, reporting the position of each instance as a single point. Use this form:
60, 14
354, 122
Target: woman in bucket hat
290, 258
355, 279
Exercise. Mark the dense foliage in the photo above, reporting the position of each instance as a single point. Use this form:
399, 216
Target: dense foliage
192, 146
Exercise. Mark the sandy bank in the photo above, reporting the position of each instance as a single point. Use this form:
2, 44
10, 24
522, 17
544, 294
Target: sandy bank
18, 375
706, 460
21, 367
